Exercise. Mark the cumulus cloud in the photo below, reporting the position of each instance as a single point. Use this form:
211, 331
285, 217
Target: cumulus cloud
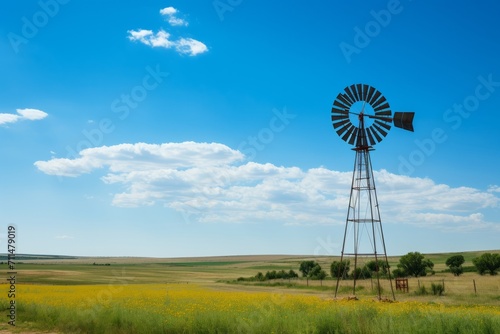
156, 40
163, 39
23, 114
170, 15
494, 189
190, 46
210, 182
126, 158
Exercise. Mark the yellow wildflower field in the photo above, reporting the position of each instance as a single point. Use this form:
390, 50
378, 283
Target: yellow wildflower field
191, 307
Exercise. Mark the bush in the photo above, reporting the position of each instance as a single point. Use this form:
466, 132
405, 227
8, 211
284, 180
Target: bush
339, 269
399, 273
455, 264
381, 266
437, 289
414, 264
361, 273
421, 291
487, 263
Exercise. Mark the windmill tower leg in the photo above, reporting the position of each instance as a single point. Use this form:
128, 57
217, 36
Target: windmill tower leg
363, 223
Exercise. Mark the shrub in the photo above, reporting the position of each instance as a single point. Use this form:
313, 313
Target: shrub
487, 263
414, 264
399, 273
421, 291
455, 264
339, 269
437, 289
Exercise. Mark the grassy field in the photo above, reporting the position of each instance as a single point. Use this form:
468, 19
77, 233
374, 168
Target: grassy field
201, 295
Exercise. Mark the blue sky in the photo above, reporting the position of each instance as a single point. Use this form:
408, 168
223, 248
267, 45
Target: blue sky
165, 129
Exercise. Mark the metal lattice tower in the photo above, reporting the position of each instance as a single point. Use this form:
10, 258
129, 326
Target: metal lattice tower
363, 235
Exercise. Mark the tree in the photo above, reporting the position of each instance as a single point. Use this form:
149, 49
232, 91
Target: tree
271, 274
363, 273
455, 264
414, 264
321, 275
260, 276
306, 267
282, 274
398, 273
292, 274
379, 265
487, 263
340, 269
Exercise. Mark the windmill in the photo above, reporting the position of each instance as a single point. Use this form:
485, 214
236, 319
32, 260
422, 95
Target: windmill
365, 106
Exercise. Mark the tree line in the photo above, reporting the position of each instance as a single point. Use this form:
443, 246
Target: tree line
412, 264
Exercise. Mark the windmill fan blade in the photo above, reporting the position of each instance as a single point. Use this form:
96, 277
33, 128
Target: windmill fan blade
384, 113
337, 111
338, 103
348, 133
404, 120
338, 117
365, 92
359, 88
340, 123
379, 129
374, 97
369, 95
385, 125
377, 103
344, 99
379, 139
382, 118
354, 136
382, 107
344, 128
370, 137
354, 94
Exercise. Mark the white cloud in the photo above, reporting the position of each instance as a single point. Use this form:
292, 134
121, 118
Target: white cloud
163, 38
170, 13
156, 40
211, 182
23, 114
126, 158
494, 189
190, 46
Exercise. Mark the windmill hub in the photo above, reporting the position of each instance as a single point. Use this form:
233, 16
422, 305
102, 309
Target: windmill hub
360, 109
